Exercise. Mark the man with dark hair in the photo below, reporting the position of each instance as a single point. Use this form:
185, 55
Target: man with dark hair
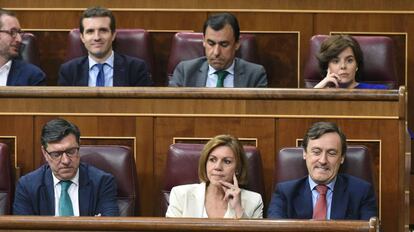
14, 71
324, 194
65, 186
102, 66
219, 67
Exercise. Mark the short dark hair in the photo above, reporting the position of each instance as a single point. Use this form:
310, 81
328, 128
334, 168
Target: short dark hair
320, 128
57, 129
6, 12
331, 47
219, 21
97, 11
234, 144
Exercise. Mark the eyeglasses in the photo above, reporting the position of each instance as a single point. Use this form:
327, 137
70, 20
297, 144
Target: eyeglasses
58, 154
14, 32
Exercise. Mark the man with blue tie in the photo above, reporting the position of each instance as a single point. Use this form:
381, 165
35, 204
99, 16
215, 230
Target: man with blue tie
324, 194
14, 71
65, 186
102, 66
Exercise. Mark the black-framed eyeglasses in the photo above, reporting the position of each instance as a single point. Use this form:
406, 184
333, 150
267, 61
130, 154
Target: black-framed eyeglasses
58, 154
14, 32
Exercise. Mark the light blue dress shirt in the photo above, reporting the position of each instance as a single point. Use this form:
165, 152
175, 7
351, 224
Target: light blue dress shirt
108, 71
329, 194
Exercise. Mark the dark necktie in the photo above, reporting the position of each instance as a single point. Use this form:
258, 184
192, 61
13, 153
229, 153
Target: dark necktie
65, 204
319, 212
221, 74
100, 79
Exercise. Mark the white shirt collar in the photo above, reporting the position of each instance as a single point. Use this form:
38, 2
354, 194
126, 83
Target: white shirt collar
4, 72
75, 179
230, 69
109, 61
312, 184
6, 65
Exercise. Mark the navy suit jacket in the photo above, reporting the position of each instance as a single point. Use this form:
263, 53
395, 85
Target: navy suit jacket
128, 71
97, 193
25, 74
352, 199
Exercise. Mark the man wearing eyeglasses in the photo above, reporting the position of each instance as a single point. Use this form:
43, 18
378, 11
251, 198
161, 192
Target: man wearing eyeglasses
65, 186
13, 71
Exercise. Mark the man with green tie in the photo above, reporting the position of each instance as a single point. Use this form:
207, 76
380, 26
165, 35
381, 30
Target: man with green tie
219, 67
65, 186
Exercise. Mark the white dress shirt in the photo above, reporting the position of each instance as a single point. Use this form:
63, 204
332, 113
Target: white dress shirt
73, 192
212, 77
4, 73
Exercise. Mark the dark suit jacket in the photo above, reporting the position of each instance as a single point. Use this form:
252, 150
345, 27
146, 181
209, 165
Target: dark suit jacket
128, 71
193, 73
25, 74
97, 193
352, 199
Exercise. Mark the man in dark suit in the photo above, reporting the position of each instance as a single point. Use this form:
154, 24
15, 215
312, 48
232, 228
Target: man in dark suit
102, 66
324, 194
219, 68
15, 72
65, 186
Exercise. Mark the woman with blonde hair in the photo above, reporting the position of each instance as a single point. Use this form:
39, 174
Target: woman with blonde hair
222, 171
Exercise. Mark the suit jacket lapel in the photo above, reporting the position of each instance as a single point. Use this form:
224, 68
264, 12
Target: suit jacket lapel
47, 194
339, 199
196, 201
82, 78
119, 78
200, 78
238, 74
303, 204
85, 192
12, 78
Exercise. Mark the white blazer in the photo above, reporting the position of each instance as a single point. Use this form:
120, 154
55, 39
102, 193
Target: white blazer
188, 201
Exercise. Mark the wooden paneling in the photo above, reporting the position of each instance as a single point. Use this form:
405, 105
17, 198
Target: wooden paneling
44, 223
372, 5
265, 18
275, 118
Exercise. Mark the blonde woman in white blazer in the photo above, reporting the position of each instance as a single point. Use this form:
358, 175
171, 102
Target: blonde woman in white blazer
222, 167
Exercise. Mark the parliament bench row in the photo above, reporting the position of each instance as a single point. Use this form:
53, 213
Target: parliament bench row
119, 161
379, 53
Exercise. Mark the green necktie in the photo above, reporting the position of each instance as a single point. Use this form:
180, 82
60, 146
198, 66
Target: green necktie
65, 204
221, 74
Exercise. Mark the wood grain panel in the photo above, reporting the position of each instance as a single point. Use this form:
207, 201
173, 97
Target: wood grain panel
273, 117
21, 128
46, 223
372, 5
144, 129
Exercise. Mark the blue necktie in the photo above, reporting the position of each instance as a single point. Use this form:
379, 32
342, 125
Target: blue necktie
100, 79
65, 204
221, 74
